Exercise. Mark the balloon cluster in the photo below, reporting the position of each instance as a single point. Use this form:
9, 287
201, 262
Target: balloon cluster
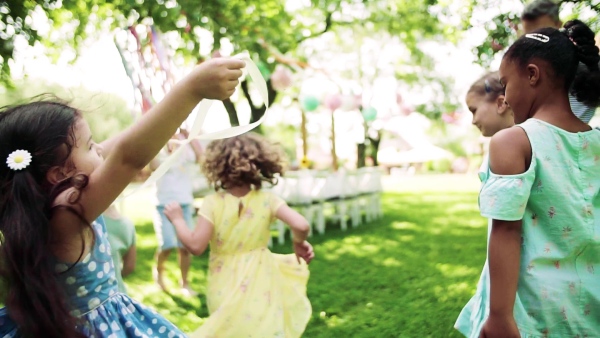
336, 101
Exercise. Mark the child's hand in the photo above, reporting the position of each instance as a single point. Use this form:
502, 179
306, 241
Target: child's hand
305, 251
501, 327
216, 78
173, 212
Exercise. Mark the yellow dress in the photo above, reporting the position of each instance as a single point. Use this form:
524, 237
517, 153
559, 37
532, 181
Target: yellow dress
251, 291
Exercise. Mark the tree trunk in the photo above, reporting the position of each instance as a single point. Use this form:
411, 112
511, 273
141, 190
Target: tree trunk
333, 152
304, 133
375, 148
255, 115
231, 112
361, 155
257, 112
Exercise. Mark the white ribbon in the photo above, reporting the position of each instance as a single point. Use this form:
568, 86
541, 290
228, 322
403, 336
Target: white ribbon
202, 111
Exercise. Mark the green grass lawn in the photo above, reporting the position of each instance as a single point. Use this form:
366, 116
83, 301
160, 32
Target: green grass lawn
405, 275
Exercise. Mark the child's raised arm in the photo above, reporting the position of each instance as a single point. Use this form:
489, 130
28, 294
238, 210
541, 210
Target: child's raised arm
138, 145
195, 144
510, 154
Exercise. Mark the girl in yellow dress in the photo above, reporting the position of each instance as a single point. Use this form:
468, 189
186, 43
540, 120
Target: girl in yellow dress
251, 292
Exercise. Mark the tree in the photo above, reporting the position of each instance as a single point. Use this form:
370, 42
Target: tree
107, 114
247, 25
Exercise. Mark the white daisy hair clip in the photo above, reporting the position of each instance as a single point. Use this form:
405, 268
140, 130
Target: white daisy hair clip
18, 159
537, 36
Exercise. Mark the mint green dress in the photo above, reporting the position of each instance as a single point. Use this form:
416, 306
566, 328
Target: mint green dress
558, 199
121, 236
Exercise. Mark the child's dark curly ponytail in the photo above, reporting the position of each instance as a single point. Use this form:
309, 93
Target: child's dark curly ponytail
586, 85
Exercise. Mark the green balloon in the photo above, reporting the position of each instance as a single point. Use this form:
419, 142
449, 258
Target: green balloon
369, 114
310, 103
264, 70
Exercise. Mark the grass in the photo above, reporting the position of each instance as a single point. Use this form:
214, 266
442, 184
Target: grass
406, 275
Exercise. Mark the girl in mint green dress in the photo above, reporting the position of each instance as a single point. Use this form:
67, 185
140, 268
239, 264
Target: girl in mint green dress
542, 192
485, 100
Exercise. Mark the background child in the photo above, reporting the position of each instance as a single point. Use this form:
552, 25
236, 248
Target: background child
121, 236
251, 291
176, 185
542, 192
485, 99
54, 182
542, 14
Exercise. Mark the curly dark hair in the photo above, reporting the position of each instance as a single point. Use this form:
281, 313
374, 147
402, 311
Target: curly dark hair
248, 159
563, 52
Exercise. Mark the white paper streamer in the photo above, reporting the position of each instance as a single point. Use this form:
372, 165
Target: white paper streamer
203, 108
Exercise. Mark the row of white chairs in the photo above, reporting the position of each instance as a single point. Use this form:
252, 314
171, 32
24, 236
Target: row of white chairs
342, 196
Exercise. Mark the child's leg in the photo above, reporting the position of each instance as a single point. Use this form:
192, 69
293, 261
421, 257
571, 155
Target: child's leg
185, 261
167, 241
161, 258
185, 258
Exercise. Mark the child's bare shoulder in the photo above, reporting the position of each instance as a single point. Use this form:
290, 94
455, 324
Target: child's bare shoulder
510, 151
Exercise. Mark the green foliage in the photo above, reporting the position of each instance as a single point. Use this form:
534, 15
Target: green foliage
443, 166
503, 29
455, 146
445, 102
107, 114
286, 135
406, 275
244, 24
502, 32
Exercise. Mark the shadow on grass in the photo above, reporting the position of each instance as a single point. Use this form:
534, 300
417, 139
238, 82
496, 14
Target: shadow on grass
406, 275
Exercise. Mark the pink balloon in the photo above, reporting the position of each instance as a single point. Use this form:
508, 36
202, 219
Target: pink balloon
281, 79
333, 102
452, 117
447, 118
399, 98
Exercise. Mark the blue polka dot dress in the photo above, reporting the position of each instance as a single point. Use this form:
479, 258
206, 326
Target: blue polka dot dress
93, 295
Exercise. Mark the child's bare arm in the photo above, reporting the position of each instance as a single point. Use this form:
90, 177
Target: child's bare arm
195, 241
300, 230
510, 154
298, 224
195, 144
129, 261
197, 150
139, 144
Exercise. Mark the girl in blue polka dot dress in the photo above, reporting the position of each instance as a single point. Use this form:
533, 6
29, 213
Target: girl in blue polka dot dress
54, 184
